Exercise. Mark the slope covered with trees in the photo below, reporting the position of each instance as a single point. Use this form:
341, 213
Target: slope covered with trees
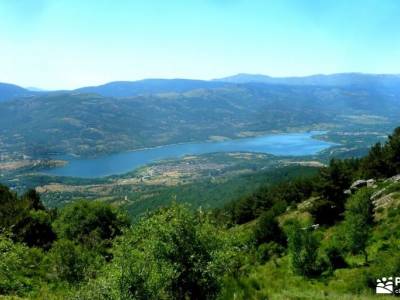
12, 91
89, 124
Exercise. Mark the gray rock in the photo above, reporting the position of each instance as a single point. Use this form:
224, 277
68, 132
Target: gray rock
378, 194
395, 178
358, 184
362, 183
347, 192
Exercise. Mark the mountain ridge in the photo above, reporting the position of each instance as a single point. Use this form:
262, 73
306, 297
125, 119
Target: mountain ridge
86, 124
336, 79
10, 91
126, 88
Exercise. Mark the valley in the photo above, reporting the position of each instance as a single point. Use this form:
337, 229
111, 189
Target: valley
78, 144
244, 167
207, 180
91, 124
199, 150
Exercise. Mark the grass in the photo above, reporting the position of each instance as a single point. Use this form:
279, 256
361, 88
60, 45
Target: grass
274, 280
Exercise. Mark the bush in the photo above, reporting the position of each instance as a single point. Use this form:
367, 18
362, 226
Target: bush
26, 218
354, 281
35, 230
358, 222
92, 224
333, 180
268, 251
267, 229
335, 258
386, 264
303, 244
173, 254
73, 263
324, 212
19, 267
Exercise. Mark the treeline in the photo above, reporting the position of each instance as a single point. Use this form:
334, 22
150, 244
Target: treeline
382, 161
40, 246
89, 250
319, 225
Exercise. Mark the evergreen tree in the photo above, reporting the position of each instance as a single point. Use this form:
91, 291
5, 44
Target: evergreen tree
358, 222
303, 246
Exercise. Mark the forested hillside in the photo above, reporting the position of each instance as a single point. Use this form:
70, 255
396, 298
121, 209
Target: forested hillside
149, 86
11, 91
341, 79
90, 124
323, 236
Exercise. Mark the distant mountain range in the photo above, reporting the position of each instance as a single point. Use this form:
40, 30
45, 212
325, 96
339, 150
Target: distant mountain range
157, 86
35, 89
341, 79
12, 91
149, 86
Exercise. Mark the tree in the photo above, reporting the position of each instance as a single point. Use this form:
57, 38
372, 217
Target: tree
383, 160
267, 229
303, 245
33, 199
10, 208
394, 151
333, 180
19, 267
173, 254
324, 212
358, 222
26, 218
93, 224
375, 164
73, 263
35, 230
243, 211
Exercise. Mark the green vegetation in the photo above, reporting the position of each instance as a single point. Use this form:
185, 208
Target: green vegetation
207, 181
358, 222
264, 245
90, 124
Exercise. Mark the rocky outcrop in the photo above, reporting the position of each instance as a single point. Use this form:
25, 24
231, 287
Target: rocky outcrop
385, 201
358, 184
395, 178
378, 194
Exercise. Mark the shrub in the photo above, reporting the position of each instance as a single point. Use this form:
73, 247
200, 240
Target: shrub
73, 263
19, 267
267, 229
268, 251
358, 222
173, 254
92, 224
303, 244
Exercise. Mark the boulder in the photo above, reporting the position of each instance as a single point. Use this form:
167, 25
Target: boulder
358, 184
395, 178
347, 192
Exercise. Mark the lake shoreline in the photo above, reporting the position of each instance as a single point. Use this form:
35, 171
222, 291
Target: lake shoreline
314, 136
287, 144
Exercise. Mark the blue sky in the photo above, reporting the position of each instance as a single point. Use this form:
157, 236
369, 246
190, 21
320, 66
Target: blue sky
71, 43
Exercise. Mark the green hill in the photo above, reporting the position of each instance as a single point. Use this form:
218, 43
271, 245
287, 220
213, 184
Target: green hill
89, 124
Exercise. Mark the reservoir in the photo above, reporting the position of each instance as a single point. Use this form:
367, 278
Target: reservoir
290, 144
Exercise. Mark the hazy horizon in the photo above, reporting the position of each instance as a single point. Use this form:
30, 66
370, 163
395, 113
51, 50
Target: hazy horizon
39, 88
68, 44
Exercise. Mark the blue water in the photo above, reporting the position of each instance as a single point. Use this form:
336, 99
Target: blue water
293, 144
